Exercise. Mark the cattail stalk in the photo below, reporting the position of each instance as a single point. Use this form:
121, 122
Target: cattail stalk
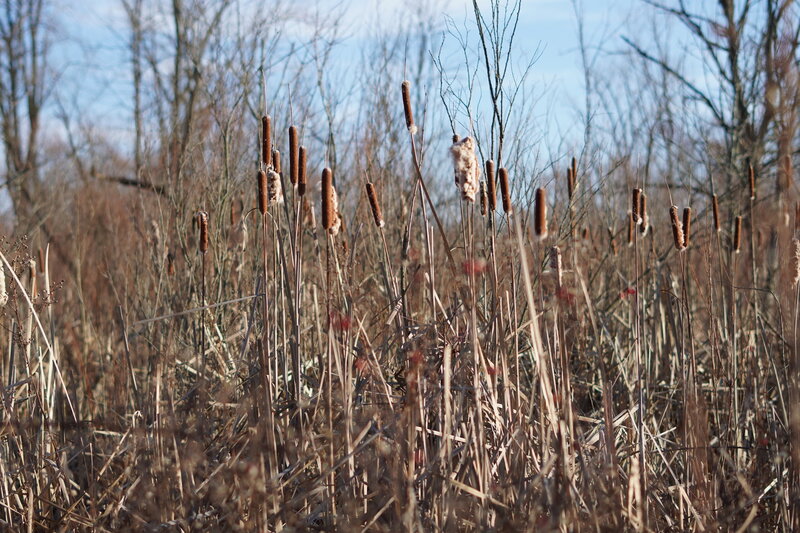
374, 205
491, 186
687, 226
540, 214
406, 90
677, 228
505, 191
266, 140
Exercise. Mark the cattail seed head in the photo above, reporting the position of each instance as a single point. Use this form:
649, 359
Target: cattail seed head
301, 175
261, 179
505, 191
751, 179
294, 156
274, 187
687, 226
555, 264
466, 168
737, 235
331, 220
276, 160
203, 223
570, 184
715, 212
373, 204
170, 264
677, 228
635, 205
484, 200
643, 213
796, 261
406, 90
491, 186
266, 140
574, 166
631, 228
456, 138
540, 214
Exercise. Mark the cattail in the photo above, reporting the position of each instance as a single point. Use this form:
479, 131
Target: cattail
456, 138
571, 177
276, 160
274, 187
301, 175
491, 186
677, 228
262, 191
643, 213
170, 264
505, 191
612, 239
203, 221
540, 214
293, 155
751, 178
484, 200
737, 235
330, 204
585, 233
373, 204
796, 262
406, 89
266, 140
715, 212
555, 264
635, 201
631, 228
687, 225
574, 172
467, 170
797, 216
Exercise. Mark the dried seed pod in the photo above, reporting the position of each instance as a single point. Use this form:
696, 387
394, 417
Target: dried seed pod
635, 201
373, 204
491, 186
406, 90
274, 187
301, 175
687, 226
261, 179
677, 227
266, 140
456, 138
328, 200
715, 212
276, 160
540, 214
645, 225
631, 228
737, 235
484, 200
505, 191
466, 168
203, 222
294, 156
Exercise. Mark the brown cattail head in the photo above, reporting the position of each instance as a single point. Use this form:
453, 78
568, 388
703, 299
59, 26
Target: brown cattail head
574, 172
687, 226
294, 157
555, 264
491, 186
484, 200
677, 227
631, 228
170, 264
406, 89
570, 183
643, 213
274, 187
466, 168
202, 219
301, 175
715, 212
751, 179
540, 214
276, 160
373, 204
636, 196
266, 140
328, 212
737, 235
505, 191
796, 261
262, 191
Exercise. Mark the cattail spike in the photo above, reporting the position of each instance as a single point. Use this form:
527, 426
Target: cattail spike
328, 212
276, 160
570, 183
540, 214
631, 228
677, 228
737, 235
635, 201
261, 179
484, 200
643, 214
505, 191
266, 140
491, 186
301, 175
203, 222
293, 155
687, 226
406, 90
374, 205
